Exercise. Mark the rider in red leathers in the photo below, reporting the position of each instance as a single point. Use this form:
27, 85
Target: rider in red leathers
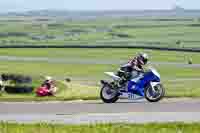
50, 84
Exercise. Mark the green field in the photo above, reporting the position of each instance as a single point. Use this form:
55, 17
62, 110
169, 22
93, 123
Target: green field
86, 66
106, 31
101, 128
178, 81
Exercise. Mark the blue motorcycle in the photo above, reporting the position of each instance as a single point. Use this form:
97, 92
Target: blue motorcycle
146, 86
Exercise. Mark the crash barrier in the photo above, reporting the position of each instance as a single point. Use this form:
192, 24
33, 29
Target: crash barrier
16, 78
104, 46
18, 89
16, 83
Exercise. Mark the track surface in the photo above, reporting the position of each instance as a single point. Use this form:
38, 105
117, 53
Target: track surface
95, 111
123, 106
88, 61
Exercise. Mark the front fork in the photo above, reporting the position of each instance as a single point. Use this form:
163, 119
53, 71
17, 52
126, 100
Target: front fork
153, 84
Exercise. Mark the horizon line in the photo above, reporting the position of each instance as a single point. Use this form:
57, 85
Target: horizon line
98, 10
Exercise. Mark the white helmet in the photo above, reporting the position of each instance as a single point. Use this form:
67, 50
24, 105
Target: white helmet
143, 58
48, 78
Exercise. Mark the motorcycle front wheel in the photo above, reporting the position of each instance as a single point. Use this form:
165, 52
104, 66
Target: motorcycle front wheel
154, 94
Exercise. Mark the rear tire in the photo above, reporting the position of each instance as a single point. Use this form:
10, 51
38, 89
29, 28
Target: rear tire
162, 94
113, 99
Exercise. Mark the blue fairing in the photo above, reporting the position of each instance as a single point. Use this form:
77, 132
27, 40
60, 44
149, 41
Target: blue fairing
138, 88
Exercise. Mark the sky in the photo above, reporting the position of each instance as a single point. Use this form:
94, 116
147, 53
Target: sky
24, 5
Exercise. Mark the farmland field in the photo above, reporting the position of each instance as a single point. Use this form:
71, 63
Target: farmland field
149, 32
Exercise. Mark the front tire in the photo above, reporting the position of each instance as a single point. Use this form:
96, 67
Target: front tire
159, 94
108, 95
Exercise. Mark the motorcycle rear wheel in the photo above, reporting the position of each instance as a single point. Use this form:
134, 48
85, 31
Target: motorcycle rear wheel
109, 95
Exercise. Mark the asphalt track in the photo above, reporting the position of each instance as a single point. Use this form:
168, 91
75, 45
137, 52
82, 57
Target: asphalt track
89, 61
84, 112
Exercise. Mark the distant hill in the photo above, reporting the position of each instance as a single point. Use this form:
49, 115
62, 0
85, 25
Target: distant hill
175, 12
178, 8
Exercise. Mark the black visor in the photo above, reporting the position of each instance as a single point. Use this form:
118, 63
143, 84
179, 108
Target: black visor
145, 61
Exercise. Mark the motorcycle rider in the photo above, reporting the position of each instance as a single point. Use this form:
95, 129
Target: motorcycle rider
50, 83
134, 68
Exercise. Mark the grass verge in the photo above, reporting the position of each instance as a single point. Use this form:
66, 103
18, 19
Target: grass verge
94, 72
101, 128
66, 92
77, 91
